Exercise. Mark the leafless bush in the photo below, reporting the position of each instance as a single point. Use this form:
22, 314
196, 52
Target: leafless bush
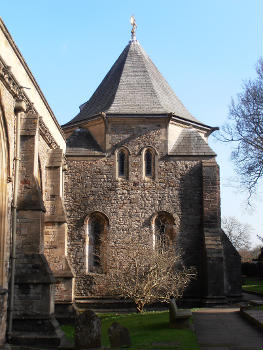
147, 272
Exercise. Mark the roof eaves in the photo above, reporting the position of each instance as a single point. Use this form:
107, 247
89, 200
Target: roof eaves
193, 123
80, 122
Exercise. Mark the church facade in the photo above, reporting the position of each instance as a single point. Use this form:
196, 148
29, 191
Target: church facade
134, 160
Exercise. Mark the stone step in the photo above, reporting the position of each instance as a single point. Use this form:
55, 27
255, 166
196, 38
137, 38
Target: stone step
35, 339
103, 303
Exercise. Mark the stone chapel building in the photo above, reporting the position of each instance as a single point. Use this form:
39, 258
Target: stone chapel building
135, 157
133, 160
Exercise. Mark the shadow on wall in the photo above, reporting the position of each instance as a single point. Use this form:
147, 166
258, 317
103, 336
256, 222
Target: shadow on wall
190, 237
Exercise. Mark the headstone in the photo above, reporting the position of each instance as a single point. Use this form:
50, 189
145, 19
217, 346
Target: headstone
173, 310
179, 318
87, 330
119, 336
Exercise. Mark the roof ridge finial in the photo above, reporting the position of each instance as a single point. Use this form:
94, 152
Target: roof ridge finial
134, 27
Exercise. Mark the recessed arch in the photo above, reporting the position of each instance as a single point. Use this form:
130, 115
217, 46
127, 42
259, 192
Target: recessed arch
97, 225
149, 163
164, 229
122, 163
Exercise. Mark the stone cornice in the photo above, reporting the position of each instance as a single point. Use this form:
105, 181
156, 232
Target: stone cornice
9, 81
44, 132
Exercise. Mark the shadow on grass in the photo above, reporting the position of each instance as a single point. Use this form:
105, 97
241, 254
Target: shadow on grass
149, 330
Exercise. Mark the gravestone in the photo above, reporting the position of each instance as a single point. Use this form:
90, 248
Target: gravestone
87, 330
119, 336
173, 310
178, 318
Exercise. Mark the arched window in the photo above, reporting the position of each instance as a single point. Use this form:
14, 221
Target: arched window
96, 243
122, 164
148, 158
164, 229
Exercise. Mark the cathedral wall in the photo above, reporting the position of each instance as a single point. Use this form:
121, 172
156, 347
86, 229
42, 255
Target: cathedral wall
6, 190
39, 132
131, 204
42, 162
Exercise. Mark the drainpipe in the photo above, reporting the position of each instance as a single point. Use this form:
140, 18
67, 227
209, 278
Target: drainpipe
20, 108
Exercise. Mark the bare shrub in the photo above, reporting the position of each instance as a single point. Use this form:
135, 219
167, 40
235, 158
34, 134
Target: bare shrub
146, 272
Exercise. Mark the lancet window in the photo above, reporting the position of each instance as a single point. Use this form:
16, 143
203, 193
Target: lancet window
149, 163
122, 161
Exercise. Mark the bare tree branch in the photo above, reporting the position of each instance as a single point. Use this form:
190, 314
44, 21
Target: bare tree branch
238, 233
245, 129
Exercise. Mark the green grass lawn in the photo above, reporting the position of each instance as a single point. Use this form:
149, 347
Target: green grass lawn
149, 330
253, 284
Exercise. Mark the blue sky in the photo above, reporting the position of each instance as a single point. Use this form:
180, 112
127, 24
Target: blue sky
204, 49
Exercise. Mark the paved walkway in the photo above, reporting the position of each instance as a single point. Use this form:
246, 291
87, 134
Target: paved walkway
225, 329
249, 296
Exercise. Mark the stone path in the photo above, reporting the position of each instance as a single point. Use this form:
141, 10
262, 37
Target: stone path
225, 329
256, 316
249, 297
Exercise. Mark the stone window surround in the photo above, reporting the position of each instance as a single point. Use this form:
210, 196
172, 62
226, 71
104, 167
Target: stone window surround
154, 154
142, 152
126, 165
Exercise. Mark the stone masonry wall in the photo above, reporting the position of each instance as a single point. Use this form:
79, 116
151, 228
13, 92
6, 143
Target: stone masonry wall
91, 185
8, 118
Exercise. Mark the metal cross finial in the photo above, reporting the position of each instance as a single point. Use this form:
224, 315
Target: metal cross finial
134, 27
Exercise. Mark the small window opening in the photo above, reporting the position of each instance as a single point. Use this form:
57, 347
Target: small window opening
148, 158
96, 227
121, 163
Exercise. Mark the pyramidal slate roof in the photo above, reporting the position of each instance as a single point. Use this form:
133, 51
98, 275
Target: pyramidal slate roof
133, 86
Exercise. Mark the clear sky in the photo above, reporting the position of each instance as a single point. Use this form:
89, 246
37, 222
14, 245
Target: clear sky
204, 49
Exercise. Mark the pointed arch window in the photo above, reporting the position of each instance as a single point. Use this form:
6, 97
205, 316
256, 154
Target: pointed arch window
122, 164
148, 160
149, 163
